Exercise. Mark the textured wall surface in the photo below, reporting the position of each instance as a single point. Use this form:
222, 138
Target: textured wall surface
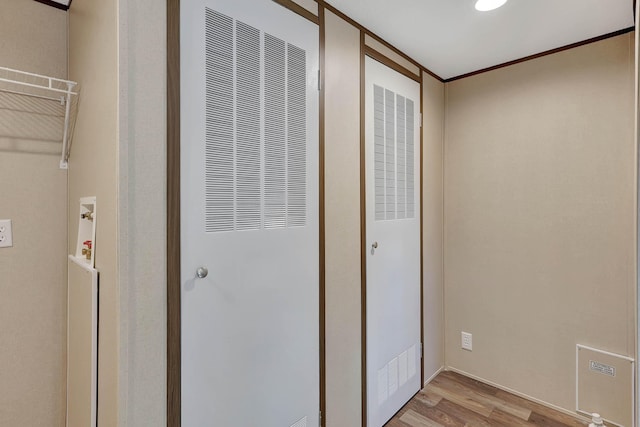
540, 204
33, 273
93, 171
432, 223
342, 222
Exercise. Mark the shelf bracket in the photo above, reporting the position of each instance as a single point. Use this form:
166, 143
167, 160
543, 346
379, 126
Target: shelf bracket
64, 161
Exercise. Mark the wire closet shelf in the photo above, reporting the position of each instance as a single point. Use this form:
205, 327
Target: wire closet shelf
38, 109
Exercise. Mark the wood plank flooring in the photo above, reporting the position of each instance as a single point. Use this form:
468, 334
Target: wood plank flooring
453, 400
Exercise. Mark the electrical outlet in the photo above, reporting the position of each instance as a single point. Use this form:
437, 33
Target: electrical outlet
6, 237
467, 341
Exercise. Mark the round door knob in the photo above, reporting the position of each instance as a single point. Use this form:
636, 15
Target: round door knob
202, 272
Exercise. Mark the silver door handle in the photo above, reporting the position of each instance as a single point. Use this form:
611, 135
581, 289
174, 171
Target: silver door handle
202, 272
374, 245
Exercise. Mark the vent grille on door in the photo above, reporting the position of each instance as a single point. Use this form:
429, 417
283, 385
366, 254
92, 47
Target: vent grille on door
378, 134
248, 207
410, 160
256, 138
219, 147
394, 155
300, 423
275, 155
297, 137
394, 374
401, 158
390, 153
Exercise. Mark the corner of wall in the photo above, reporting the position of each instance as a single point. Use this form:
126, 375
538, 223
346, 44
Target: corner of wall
432, 188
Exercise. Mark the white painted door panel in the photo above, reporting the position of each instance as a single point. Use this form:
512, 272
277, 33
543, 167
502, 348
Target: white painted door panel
393, 236
249, 207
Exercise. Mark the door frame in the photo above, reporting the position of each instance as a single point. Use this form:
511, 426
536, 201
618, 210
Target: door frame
365, 51
174, 350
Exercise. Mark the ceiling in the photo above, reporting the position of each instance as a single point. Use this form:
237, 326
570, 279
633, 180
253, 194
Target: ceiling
451, 38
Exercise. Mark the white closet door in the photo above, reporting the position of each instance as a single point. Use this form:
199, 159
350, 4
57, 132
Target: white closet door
392, 147
249, 215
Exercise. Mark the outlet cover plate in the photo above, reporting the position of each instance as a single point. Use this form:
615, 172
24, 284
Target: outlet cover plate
6, 236
467, 341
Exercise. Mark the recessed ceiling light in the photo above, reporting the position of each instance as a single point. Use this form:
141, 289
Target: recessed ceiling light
485, 5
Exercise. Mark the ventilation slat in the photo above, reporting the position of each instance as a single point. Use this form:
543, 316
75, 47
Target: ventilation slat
410, 160
256, 136
394, 155
401, 158
248, 201
275, 178
219, 139
390, 153
378, 135
296, 137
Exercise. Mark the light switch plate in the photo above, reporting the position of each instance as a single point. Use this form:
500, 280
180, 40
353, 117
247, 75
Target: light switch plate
6, 235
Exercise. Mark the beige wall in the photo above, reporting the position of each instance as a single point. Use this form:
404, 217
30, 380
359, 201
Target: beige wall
342, 222
33, 291
432, 223
540, 206
34, 38
93, 63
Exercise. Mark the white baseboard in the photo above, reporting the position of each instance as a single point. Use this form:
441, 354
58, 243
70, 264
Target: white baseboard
517, 393
428, 380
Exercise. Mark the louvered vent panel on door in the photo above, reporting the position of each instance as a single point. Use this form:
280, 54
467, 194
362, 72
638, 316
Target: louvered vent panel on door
390, 153
394, 156
275, 178
401, 157
378, 135
219, 151
296, 136
256, 128
248, 209
410, 159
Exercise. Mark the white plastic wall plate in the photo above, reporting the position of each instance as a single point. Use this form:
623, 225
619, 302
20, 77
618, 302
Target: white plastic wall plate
467, 341
6, 233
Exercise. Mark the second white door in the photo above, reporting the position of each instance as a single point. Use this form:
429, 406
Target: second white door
392, 151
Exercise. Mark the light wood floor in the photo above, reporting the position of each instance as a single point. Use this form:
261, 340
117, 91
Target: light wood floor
453, 400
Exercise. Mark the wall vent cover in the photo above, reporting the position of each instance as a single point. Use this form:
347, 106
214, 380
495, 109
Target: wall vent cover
604, 384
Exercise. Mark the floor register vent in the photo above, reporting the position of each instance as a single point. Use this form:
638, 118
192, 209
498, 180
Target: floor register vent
605, 384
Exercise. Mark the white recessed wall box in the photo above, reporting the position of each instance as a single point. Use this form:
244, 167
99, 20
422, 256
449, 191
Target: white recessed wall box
86, 245
605, 384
